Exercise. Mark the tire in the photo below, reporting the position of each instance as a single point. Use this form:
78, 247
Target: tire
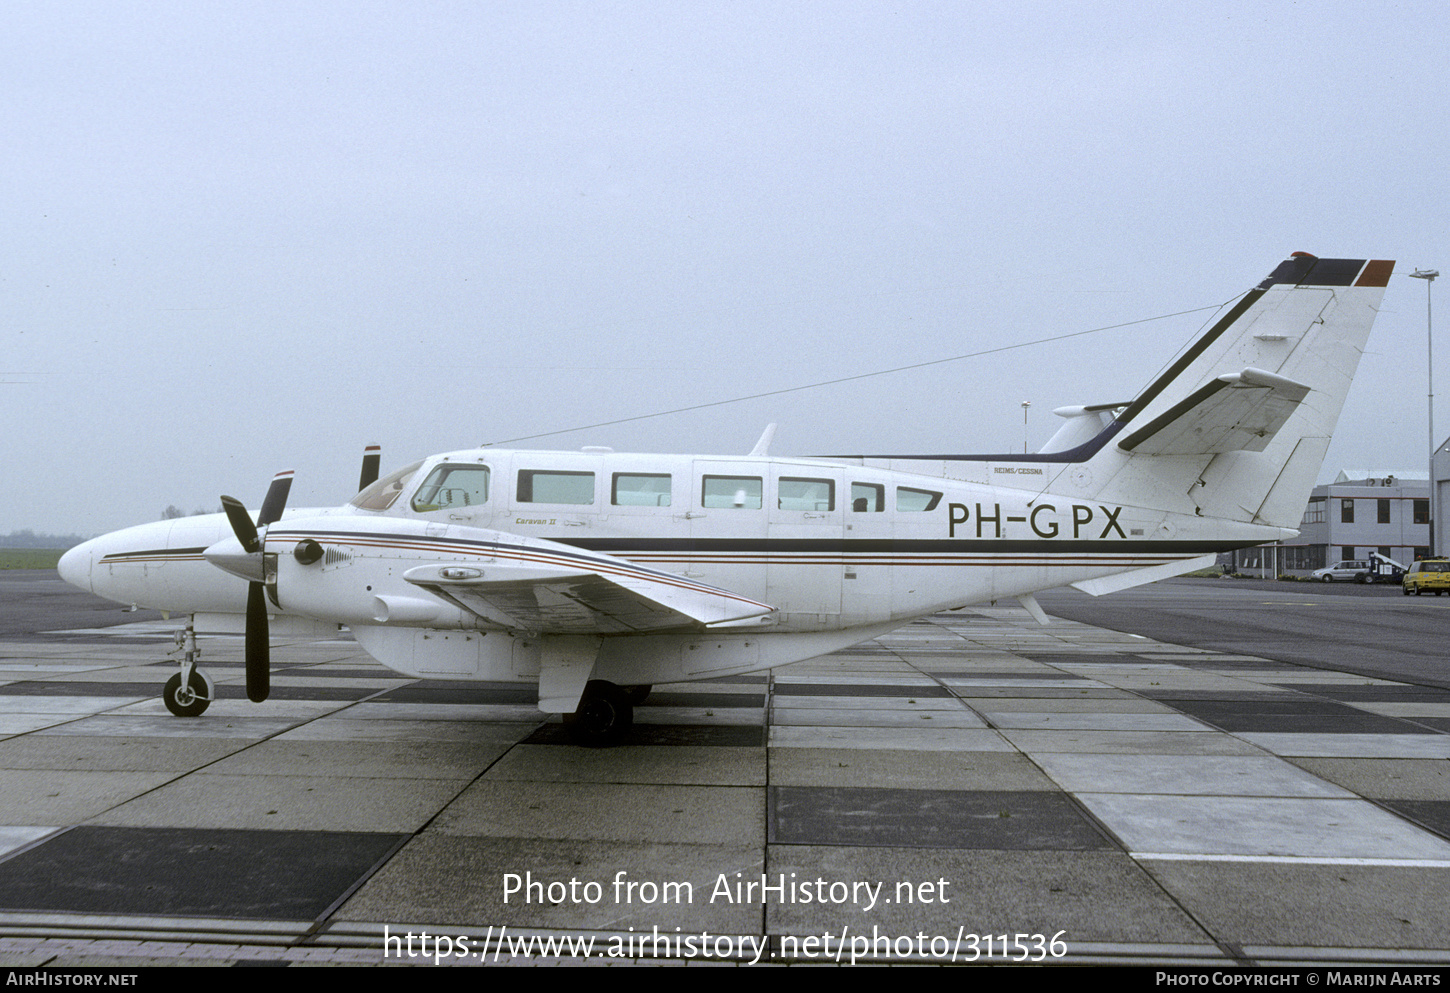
1327, 578
189, 702
604, 716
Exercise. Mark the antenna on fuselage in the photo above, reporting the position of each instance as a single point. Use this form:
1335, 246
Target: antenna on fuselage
762, 447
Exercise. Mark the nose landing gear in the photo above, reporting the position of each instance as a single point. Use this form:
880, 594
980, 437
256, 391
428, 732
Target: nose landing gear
189, 692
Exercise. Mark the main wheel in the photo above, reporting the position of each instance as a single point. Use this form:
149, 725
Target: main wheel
191, 700
604, 716
1327, 578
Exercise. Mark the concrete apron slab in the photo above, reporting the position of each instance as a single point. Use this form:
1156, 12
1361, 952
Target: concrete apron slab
930, 797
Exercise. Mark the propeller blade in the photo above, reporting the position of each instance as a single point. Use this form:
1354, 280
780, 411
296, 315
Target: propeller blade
371, 463
276, 499
258, 645
242, 525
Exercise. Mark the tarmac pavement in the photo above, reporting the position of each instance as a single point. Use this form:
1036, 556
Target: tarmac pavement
973, 786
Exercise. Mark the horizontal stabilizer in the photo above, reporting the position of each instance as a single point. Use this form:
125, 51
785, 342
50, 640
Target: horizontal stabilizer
1235, 412
623, 600
1140, 577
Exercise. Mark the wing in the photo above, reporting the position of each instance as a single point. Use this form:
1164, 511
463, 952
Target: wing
1233, 412
611, 597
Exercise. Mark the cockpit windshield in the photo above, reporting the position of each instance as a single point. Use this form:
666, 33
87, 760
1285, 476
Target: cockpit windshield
381, 494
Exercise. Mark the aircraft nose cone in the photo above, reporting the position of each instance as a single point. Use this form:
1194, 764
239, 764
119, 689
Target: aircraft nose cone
75, 566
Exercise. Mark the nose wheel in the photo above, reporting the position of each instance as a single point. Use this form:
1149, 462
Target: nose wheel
191, 699
604, 717
189, 692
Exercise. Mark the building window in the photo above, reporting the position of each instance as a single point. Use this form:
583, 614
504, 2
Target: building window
1314, 514
1346, 553
1382, 508
1422, 511
1422, 552
1346, 511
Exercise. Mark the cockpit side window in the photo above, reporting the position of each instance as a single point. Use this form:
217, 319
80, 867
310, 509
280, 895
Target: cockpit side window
381, 494
450, 486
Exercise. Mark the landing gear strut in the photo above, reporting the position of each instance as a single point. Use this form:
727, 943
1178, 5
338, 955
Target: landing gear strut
604, 717
189, 691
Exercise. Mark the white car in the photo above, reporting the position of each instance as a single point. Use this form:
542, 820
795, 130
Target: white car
1356, 570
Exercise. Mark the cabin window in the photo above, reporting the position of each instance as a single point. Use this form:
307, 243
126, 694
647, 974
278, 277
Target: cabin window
733, 492
908, 499
381, 494
868, 498
549, 486
794, 493
640, 490
452, 486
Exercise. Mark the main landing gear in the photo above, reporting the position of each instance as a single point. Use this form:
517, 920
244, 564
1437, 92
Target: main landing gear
190, 691
605, 714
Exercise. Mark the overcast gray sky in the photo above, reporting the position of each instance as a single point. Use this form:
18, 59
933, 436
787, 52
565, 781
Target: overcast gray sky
243, 237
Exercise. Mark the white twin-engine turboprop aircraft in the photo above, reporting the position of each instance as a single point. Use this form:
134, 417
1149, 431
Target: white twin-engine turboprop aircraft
597, 574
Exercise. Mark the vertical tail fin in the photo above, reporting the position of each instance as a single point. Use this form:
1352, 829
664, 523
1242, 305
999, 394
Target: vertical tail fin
1238, 426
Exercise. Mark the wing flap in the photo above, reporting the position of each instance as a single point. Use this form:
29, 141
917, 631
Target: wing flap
1235, 412
612, 600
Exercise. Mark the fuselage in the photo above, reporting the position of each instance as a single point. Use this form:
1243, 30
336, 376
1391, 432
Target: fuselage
833, 547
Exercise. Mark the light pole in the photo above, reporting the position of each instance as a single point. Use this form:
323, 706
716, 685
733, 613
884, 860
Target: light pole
1428, 275
1025, 405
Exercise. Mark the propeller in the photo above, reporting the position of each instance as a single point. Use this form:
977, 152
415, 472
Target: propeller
260, 570
371, 463
260, 576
